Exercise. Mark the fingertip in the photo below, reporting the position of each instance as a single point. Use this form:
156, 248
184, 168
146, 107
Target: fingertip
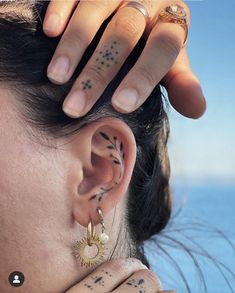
200, 110
52, 25
186, 95
126, 100
75, 105
119, 108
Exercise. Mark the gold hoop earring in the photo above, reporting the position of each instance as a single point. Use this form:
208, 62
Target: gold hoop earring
91, 249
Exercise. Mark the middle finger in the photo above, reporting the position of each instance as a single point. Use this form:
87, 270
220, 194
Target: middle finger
85, 21
161, 51
118, 40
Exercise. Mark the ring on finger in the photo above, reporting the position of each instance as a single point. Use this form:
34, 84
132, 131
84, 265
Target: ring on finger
175, 14
140, 7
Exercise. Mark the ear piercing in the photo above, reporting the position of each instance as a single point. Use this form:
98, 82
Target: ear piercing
104, 237
91, 249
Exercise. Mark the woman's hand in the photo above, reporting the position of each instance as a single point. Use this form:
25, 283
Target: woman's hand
119, 275
163, 58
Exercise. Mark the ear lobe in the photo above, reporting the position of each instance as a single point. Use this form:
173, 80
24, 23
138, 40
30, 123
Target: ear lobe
112, 157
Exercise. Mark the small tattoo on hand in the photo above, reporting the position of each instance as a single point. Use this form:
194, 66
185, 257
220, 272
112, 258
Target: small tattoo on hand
139, 284
106, 57
97, 280
86, 84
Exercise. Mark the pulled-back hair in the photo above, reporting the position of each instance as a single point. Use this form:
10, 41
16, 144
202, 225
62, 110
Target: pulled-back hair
25, 52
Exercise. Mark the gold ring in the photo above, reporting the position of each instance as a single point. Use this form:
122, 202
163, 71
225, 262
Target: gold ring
139, 7
175, 14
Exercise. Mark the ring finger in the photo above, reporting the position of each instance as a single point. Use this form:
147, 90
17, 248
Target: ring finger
161, 51
118, 40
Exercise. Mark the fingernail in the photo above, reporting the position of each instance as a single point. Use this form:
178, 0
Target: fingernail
58, 69
52, 23
74, 104
126, 99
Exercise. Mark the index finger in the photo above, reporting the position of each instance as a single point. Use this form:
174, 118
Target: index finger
57, 16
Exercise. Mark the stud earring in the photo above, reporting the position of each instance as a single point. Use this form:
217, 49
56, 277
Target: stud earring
91, 249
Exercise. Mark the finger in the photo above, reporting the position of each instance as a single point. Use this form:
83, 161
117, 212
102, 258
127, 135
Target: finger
141, 281
184, 89
108, 276
57, 16
116, 43
161, 50
84, 24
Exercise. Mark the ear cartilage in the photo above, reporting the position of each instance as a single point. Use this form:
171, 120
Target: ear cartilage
117, 159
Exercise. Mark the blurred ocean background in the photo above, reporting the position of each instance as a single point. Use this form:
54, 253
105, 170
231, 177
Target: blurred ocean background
202, 154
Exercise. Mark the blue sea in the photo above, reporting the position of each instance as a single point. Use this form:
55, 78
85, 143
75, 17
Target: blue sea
206, 226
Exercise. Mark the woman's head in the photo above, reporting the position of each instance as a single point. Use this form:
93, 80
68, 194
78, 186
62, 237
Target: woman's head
56, 170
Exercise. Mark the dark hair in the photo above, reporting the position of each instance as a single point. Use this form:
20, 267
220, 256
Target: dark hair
25, 54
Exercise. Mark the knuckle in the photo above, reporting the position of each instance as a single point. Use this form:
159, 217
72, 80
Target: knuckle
120, 265
96, 74
100, 5
75, 38
187, 10
170, 43
146, 75
116, 265
149, 276
129, 24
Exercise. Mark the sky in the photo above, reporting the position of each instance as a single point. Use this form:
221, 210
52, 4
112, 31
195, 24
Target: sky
203, 150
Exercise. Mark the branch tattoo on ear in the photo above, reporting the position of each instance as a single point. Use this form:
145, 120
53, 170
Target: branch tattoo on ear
118, 159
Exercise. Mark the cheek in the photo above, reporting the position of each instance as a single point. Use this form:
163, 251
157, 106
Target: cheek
36, 224
33, 205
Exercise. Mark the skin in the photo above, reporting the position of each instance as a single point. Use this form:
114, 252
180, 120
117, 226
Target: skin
164, 58
45, 190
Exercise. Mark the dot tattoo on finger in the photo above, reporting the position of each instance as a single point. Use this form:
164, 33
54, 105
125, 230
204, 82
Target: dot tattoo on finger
86, 84
107, 273
106, 57
100, 280
139, 284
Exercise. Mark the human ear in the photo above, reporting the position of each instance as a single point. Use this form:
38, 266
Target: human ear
101, 166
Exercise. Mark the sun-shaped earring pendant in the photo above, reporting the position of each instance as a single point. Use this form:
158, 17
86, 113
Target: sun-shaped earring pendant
91, 249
